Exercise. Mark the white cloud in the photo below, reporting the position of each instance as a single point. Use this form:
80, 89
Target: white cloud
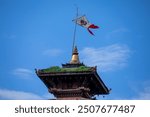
21, 95
17, 95
144, 95
141, 89
106, 58
22, 72
52, 52
48, 96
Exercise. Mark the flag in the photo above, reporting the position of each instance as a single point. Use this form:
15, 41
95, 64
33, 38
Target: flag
82, 21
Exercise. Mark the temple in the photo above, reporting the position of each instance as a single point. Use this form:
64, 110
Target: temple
73, 81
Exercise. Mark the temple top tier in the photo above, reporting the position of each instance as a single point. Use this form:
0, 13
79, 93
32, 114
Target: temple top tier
73, 80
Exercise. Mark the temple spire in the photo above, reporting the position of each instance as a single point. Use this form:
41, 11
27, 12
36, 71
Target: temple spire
75, 57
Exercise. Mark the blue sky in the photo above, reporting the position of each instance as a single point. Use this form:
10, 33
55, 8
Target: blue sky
38, 34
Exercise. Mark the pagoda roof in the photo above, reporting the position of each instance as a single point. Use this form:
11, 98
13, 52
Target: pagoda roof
97, 85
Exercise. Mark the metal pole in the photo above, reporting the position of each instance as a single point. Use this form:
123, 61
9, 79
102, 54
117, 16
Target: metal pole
74, 36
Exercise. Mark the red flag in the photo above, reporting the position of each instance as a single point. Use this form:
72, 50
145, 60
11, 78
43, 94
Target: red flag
82, 21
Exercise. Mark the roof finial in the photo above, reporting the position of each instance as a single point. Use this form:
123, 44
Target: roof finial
75, 57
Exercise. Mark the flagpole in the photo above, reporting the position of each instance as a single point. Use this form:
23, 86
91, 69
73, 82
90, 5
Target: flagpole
74, 35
